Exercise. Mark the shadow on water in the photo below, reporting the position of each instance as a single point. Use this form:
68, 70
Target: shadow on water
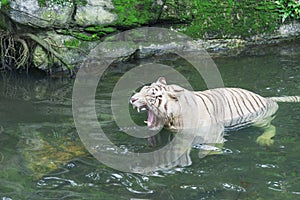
42, 157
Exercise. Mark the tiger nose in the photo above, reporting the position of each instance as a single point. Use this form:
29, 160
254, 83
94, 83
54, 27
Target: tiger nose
132, 100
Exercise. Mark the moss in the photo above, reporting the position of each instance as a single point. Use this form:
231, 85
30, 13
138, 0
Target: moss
202, 19
100, 29
134, 13
81, 35
75, 43
42, 2
85, 37
178, 11
4, 3
72, 43
91, 33
213, 19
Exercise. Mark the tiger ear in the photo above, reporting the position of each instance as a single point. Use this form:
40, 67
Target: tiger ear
162, 80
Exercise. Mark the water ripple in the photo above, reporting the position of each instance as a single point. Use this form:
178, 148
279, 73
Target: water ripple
54, 182
233, 187
266, 166
289, 186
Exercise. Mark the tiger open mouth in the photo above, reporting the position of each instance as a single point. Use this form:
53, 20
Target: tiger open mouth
151, 121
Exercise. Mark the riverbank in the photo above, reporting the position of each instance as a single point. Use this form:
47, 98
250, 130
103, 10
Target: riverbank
58, 35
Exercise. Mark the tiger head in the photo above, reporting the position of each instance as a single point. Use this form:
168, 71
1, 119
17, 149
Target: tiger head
161, 103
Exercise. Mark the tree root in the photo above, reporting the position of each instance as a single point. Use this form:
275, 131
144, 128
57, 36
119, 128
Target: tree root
16, 51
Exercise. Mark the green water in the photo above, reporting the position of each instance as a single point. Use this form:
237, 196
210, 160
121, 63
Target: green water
42, 156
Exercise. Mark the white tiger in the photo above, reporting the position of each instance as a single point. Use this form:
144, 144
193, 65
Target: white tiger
227, 108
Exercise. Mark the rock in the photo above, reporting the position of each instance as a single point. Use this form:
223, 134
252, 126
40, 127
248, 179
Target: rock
143, 43
221, 47
95, 12
29, 12
40, 58
290, 30
58, 15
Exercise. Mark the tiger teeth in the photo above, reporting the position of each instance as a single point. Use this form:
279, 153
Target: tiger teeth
146, 122
139, 109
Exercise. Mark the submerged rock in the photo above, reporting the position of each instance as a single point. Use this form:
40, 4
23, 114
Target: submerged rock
44, 155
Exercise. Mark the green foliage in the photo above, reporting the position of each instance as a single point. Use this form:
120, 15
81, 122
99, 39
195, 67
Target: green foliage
288, 9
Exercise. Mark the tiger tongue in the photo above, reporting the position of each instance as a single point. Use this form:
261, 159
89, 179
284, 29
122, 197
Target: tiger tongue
151, 121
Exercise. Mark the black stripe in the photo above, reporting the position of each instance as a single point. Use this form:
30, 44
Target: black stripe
204, 104
159, 102
186, 99
249, 100
208, 97
236, 103
228, 103
263, 103
239, 94
239, 111
217, 100
166, 107
254, 98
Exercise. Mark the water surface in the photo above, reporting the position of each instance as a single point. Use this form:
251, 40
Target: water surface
42, 156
